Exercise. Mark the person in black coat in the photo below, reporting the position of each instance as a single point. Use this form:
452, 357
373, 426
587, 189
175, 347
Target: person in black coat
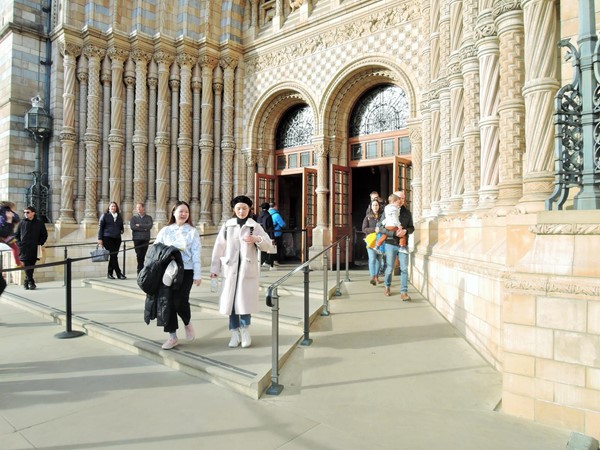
30, 233
110, 229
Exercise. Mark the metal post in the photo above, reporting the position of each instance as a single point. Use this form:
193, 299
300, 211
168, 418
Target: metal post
348, 258
124, 256
589, 195
275, 388
306, 340
325, 311
337, 271
69, 333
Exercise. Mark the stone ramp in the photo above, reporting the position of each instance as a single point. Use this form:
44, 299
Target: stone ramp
112, 311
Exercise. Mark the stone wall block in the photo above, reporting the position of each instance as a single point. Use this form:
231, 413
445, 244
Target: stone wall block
560, 416
518, 405
519, 364
561, 313
577, 348
528, 340
560, 372
519, 309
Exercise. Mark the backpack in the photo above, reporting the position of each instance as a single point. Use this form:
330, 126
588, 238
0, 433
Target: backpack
266, 221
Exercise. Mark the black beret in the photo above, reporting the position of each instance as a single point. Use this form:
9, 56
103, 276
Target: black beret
241, 199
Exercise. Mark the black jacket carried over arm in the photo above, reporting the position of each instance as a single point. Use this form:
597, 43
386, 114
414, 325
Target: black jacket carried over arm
30, 234
158, 296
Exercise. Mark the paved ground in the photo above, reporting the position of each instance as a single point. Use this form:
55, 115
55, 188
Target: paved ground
380, 374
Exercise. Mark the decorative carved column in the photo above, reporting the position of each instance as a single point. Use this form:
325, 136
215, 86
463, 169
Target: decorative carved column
434, 158
152, 111
322, 181
228, 63
161, 142
416, 145
174, 83
217, 203
196, 111
470, 74
207, 64
116, 138
140, 133
455, 81
127, 172
426, 160
68, 136
92, 135
541, 84
445, 148
425, 74
250, 159
488, 51
184, 142
105, 77
508, 18
82, 77
242, 178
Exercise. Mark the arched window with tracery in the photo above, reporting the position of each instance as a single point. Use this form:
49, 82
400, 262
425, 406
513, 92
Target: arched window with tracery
293, 139
382, 109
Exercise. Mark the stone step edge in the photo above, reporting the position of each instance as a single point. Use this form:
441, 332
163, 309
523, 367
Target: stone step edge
225, 375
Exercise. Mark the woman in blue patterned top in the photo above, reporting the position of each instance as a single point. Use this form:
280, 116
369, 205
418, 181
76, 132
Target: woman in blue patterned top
181, 233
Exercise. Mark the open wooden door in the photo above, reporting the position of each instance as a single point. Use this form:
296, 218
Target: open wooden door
309, 203
402, 178
340, 201
265, 190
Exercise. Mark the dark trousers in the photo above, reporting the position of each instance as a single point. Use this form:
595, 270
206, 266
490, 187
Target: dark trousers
180, 303
113, 245
29, 272
141, 247
266, 258
280, 252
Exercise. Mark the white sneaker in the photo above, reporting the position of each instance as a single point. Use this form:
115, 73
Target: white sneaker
170, 343
273, 268
265, 264
235, 338
246, 339
190, 334
276, 263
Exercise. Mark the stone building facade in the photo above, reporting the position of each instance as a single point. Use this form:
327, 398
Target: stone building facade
158, 100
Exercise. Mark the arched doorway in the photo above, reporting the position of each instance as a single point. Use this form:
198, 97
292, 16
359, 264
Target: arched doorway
379, 152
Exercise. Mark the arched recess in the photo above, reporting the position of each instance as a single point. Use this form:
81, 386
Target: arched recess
354, 80
267, 113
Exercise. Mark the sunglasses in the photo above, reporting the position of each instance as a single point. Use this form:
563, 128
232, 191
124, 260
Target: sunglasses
26, 212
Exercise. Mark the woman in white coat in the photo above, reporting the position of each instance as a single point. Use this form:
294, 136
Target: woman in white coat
235, 256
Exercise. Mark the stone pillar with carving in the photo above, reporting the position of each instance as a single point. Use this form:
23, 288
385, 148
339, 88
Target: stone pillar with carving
106, 78
207, 64
184, 142
425, 74
250, 160
243, 178
92, 135
228, 63
508, 18
445, 148
82, 77
541, 84
470, 74
217, 201
152, 111
140, 133
488, 53
174, 84
434, 158
127, 207
68, 136
322, 190
116, 138
164, 60
416, 146
196, 111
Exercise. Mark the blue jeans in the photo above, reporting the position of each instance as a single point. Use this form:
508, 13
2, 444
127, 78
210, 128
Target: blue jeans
391, 251
374, 262
235, 320
403, 272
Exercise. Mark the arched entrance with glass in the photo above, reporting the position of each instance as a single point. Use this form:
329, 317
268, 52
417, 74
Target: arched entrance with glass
379, 152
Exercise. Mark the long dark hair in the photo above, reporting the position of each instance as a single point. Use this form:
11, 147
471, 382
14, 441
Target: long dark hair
172, 217
113, 203
370, 213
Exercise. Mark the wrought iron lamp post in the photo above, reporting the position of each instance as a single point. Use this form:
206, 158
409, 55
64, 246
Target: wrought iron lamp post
39, 123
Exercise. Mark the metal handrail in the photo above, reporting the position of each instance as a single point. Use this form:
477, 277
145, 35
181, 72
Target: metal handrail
272, 300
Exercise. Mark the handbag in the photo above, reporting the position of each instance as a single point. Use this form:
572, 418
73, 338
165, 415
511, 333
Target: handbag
273, 251
100, 254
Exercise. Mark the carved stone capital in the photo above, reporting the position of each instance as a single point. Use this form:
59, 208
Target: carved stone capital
92, 52
163, 57
68, 137
82, 77
320, 150
504, 6
153, 82
467, 52
70, 49
117, 54
185, 60
485, 27
129, 81
140, 56
174, 84
416, 136
208, 62
228, 62
116, 139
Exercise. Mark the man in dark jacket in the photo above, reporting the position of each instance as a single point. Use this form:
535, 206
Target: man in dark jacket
30, 233
141, 224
